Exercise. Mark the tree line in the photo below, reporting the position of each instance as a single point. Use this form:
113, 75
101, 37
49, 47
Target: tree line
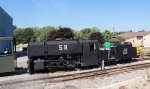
35, 34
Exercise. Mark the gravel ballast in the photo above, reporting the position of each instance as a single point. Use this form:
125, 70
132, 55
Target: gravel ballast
94, 82
89, 83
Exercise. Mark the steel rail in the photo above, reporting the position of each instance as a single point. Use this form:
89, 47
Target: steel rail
89, 74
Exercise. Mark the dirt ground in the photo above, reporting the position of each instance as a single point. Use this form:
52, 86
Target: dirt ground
135, 80
135, 83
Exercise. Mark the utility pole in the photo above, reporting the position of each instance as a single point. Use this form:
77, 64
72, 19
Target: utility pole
113, 30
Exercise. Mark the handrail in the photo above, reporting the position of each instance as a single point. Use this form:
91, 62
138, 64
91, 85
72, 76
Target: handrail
6, 38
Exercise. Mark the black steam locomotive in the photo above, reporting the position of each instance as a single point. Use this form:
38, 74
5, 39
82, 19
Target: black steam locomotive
62, 54
72, 54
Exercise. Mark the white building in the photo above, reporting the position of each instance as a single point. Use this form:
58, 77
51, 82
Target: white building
6, 28
137, 38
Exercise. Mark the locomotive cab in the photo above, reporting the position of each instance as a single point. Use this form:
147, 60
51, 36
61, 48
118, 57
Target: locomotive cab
90, 53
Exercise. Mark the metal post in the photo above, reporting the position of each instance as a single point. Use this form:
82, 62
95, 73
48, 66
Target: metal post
102, 61
103, 64
14, 51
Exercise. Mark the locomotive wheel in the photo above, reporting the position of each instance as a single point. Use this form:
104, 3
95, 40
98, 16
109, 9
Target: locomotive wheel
30, 68
114, 62
52, 70
129, 59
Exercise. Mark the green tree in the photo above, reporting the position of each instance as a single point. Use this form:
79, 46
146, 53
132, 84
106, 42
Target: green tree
64, 33
29, 34
121, 39
97, 36
36, 35
86, 33
52, 35
94, 29
19, 34
14, 27
44, 33
79, 35
107, 35
130, 31
142, 31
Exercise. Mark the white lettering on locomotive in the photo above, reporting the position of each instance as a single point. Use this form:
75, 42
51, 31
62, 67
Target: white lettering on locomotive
63, 47
60, 47
125, 51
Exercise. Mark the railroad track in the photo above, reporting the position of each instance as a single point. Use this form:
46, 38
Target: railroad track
89, 74
101, 73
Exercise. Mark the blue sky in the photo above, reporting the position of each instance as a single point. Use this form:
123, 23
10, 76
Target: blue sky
123, 15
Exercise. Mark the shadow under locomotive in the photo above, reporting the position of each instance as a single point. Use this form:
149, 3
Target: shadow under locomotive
72, 54
18, 71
